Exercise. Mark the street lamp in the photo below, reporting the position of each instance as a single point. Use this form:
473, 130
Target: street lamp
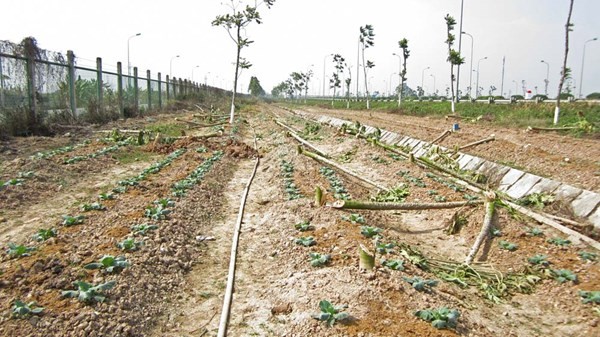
547, 73
470, 72
477, 89
171, 66
193, 72
390, 89
129, 63
434, 94
423, 78
324, 59
582, 62
399, 77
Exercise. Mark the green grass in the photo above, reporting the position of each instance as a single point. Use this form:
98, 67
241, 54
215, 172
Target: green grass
132, 155
168, 129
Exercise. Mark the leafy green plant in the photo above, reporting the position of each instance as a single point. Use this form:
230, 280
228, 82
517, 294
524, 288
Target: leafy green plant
304, 226
420, 284
441, 318
508, 245
380, 160
564, 275
330, 313
536, 200
129, 245
109, 264
432, 192
318, 260
106, 196
496, 232
201, 149
440, 198
539, 260
369, 231
534, 231
288, 180
393, 264
355, 218
164, 202
156, 212
44, 234
21, 309
396, 194
385, 248
69, 221
19, 250
142, 229
559, 241
337, 187
306, 241
470, 197
588, 256
88, 293
590, 296
180, 187
14, 182
95, 206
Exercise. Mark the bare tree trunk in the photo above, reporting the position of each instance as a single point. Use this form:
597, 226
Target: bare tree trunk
366, 79
235, 80
563, 73
488, 222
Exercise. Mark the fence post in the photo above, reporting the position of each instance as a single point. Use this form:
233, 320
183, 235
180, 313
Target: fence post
167, 84
1, 82
135, 90
100, 84
159, 93
120, 89
174, 80
149, 85
72, 101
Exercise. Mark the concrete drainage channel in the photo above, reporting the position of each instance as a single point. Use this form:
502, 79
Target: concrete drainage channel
515, 183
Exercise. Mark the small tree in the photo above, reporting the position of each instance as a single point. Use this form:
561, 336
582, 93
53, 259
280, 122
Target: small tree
348, 81
405, 54
255, 88
235, 24
367, 40
279, 90
453, 56
564, 73
335, 82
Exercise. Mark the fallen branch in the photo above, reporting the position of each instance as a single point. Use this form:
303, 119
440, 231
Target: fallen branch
441, 137
341, 168
490, 219
566, 128
455, 116
119, 131
301, 140
489, 139
354, 204
563, 220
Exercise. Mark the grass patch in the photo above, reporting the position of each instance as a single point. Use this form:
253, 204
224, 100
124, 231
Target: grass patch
132, 156
168, 129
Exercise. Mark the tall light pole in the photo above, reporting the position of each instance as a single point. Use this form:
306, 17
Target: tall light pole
171, 66
470, 72
423, 78
547, 74
390, 89
399, 76
193, 72
477, 89
324, 59
434, 94
582, 63
129, 63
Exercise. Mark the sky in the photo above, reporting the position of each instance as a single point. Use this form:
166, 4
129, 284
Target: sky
300, 35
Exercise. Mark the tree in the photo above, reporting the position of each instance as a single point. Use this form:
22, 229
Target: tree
255, 88
335, 82
235, 24
453, 56
306, 76
367, 40
405, 54
348, 81
564, 73
279, 90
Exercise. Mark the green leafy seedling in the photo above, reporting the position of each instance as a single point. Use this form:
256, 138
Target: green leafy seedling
19, 250
588, 256
355, 218
306, 241
95, 206
496, 232
564, 275
330, 313
69, 221
164, 202
441, 318
539, 260
106, 196
14, 182
109, 264
304, 226
535, 231
559, 242
385, 248
590, 296
156, 213
129, 245
21, 309
440, 198
508, 245
142, 229
369, 231
420, 284
319, 260
88, 293
393, 264
44, 234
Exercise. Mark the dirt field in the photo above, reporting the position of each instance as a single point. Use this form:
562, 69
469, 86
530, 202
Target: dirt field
174, 284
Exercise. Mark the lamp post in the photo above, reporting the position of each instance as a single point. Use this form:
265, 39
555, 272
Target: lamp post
582, 63
470, 72
171, 66
477, 89
423, 78
129, 63
434, 94
390, 89
194, 68
324, 59
547, 74
399, 77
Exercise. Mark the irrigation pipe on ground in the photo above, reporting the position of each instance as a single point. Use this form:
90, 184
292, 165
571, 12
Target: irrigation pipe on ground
234, 246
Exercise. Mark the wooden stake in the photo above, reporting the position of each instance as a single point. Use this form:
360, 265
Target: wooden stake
441, 137
382, 206
489, 139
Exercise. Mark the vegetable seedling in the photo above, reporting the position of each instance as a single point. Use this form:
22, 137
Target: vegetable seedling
355, 218
95, 206
304, 226
164, 202
539, 260
385, 248
88, 293
106, 196
143, 228
564, 275
21, 309
559, 242
72, 220
393, 264
44, 234
156, 213
330, 313
369, 231
590, 296
496, 232
440, 198
14, 182
534, 231
420, 284
441, 318
588, 256
129, 245
508, 245
109, 264
318, 260
306, 241
19, 250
